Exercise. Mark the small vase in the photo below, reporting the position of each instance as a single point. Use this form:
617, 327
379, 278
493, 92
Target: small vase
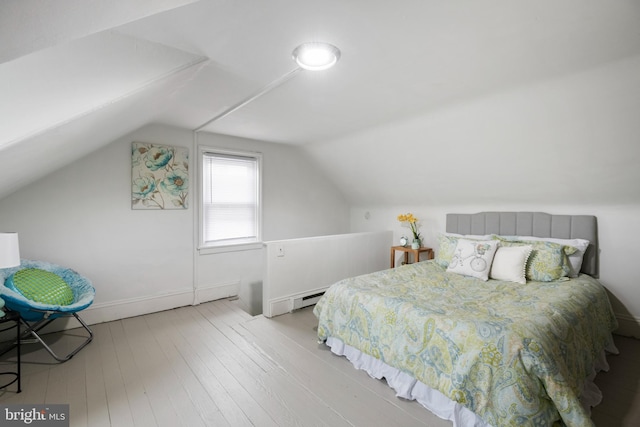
415, 244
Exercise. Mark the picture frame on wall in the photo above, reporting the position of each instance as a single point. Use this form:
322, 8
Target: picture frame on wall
159, 176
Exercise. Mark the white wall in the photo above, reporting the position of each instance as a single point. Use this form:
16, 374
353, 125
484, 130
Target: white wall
144, 261
571, 140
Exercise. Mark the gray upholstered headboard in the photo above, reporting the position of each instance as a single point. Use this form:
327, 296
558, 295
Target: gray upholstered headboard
537, 224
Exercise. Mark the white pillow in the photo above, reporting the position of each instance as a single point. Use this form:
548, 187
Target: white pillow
473, 258
575, 259
510, 263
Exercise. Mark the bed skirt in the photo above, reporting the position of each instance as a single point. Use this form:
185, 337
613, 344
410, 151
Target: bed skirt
409, 388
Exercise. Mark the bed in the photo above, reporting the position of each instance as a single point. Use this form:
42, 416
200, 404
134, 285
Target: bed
519, 349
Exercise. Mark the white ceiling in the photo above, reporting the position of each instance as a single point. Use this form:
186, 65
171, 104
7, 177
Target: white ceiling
76, 74
397, 57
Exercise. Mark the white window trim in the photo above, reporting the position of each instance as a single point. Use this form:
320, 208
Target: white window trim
227, 247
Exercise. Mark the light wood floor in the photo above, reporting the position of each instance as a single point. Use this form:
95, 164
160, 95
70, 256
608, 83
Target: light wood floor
215, 365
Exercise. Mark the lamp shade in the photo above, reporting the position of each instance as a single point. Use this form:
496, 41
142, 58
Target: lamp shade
9, 250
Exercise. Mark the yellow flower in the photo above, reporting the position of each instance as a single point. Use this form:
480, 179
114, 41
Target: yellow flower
413, 223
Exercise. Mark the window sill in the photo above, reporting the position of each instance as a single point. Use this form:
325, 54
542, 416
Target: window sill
209, 250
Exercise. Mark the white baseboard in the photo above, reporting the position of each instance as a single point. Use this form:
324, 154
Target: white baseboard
214, 292
628, 326
122, 309
278, 306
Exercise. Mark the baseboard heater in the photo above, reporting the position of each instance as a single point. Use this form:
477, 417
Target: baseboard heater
307, 300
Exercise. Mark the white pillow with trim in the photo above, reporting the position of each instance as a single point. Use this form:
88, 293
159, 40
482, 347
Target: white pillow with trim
510, 263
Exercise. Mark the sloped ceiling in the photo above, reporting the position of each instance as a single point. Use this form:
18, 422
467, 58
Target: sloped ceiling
77, 74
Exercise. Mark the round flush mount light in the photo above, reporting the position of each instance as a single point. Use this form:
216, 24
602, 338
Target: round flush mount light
316, 56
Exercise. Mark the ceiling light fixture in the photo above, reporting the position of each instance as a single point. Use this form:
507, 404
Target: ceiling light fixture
316, 56
313, 56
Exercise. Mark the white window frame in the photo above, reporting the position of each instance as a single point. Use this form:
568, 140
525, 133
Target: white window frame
235, 245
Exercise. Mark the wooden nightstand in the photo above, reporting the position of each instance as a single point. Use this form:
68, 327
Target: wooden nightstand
407, 249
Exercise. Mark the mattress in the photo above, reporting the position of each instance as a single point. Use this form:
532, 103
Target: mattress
512, 354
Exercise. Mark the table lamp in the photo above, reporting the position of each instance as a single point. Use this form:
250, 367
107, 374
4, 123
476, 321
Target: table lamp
9, 256
9, 250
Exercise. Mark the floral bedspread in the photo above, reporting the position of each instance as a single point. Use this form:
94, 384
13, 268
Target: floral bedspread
514, 354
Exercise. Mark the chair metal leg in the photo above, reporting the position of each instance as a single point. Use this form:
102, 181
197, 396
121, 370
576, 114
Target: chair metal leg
37, 326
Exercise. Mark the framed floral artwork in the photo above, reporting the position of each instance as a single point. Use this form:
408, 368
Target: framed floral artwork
159, 176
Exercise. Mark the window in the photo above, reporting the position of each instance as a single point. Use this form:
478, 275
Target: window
230, 205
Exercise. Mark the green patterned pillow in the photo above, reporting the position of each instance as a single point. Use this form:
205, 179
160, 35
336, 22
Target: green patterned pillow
40, 286
548, 261
446, 247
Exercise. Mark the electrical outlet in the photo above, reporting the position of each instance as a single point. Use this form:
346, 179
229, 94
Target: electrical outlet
280, 250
